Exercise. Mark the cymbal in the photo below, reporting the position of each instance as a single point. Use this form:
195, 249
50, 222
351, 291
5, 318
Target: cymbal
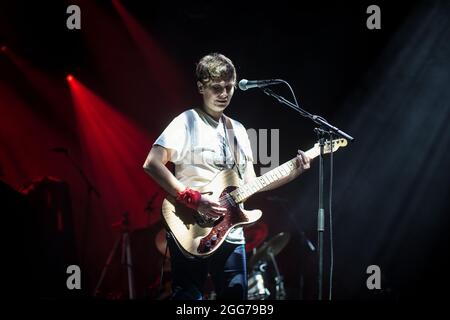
274, 246
255, 235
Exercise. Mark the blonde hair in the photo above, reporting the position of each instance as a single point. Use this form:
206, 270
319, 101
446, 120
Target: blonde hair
215, 66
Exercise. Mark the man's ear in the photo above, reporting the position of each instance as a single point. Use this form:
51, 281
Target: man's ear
200, 87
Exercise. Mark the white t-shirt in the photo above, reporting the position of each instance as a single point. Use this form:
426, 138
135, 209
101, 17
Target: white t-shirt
200, 150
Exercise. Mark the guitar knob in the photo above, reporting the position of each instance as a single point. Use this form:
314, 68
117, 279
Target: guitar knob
214, 238
208, 244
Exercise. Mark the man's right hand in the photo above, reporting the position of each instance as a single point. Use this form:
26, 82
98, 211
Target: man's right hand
210, 208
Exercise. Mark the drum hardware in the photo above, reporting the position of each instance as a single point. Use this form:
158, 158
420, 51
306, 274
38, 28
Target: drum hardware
258, 264
256, 287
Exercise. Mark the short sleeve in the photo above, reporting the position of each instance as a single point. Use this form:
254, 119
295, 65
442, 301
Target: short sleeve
175, 137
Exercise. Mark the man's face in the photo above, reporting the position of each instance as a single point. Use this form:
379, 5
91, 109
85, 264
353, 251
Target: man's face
217, 94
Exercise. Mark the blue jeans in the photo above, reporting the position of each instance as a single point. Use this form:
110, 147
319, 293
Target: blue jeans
227, 267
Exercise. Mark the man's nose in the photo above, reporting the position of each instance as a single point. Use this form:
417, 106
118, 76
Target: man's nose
223, 93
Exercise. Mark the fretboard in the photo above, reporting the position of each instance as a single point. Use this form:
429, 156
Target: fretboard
244, 192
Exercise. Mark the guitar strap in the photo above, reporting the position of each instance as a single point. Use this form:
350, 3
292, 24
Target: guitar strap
232, 142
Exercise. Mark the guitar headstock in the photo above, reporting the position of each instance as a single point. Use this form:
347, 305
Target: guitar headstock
335, 144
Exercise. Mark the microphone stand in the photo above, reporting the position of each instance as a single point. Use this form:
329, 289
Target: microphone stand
126, 258
324, 127
90, 189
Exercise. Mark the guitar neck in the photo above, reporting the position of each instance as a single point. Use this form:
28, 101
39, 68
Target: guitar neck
247, 190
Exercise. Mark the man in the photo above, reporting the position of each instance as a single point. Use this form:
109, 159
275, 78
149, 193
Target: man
197, 142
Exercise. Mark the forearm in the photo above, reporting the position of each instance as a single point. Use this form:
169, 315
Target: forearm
159, 172
190, 198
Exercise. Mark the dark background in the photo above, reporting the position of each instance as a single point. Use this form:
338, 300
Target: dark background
388, 88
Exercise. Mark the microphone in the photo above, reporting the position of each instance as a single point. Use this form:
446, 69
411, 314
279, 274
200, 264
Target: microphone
245, 84
60, 150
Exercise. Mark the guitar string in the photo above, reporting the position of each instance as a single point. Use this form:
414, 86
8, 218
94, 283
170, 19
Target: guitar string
230, 199
226, 200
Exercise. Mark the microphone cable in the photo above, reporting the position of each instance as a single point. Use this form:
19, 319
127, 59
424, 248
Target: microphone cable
292, 91
330, 197
331, 220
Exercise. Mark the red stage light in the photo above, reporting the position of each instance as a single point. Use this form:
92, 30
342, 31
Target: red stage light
114, 149
69, 77
4, 48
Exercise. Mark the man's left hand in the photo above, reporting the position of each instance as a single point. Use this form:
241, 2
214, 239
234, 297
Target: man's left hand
303, 161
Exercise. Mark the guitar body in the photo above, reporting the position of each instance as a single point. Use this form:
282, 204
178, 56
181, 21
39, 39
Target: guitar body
201, 238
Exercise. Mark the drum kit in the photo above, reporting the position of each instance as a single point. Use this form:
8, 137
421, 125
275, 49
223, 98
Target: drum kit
260, 280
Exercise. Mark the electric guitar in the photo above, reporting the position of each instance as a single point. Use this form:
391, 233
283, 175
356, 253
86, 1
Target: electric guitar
200, 236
